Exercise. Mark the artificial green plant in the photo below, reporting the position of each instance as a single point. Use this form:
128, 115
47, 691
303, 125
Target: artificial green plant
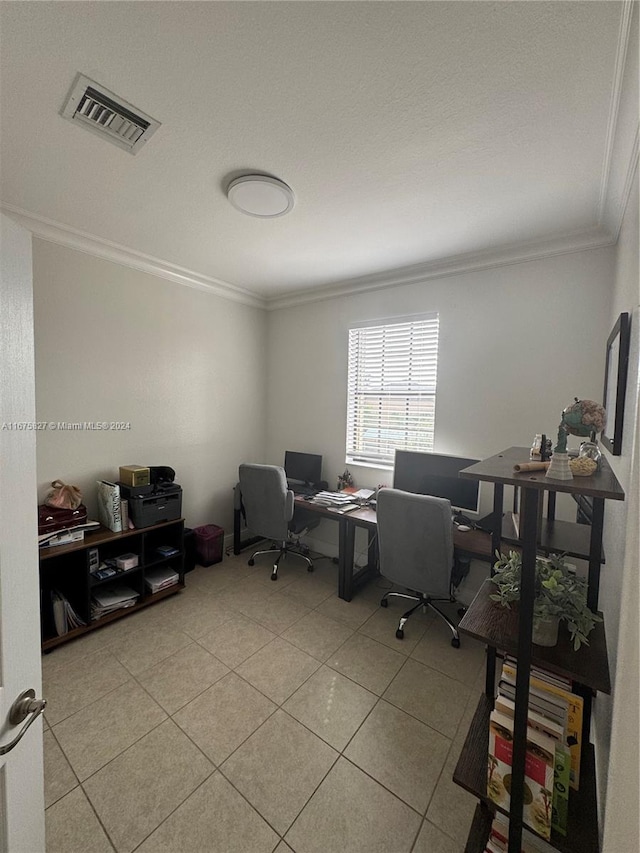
559, 592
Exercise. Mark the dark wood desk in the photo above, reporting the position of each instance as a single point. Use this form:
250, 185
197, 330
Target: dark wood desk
473, 543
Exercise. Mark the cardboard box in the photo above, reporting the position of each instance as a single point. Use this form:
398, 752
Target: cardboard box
134, 475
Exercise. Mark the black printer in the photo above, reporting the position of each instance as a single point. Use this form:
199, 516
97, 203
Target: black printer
159, 501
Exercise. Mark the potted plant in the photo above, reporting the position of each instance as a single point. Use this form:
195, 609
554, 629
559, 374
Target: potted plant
559, 595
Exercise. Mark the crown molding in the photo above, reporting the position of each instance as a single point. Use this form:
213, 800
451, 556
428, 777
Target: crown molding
455, 265
72, 238
616, 183
614, 106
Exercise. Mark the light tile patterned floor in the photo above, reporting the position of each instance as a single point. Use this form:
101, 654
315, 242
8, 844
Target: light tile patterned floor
245, 716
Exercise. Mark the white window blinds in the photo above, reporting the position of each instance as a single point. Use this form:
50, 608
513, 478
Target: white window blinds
391, 389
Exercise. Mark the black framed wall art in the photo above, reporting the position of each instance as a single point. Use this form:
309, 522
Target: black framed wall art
615, 383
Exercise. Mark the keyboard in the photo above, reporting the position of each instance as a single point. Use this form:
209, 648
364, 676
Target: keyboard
299, 489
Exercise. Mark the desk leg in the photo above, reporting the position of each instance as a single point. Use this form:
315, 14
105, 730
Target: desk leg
236, 531
372, 552
346, 547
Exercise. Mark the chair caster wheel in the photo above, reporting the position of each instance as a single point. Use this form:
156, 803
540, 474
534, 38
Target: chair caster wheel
274, 576
384, 603
252, 562
400, 634
455, 643
309, 568
462, 611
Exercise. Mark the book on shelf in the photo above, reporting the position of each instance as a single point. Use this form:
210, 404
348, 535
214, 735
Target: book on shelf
65, 618
555, 710
538, 721
545, 690
167, 551
160, 578
109, 511
538, 774
111, 597
562, 759
124, 513
561, 784
498, 841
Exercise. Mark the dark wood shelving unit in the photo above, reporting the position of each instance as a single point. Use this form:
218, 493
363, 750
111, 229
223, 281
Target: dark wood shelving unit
510, 631
487, 621
66, 568
556, 537
471, 774
480, 828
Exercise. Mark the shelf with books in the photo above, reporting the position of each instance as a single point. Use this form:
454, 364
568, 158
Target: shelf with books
66, 569
100, 581
471, 774
487, 621
586, 670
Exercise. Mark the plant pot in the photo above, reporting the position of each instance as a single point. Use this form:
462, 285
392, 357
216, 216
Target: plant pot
545, 631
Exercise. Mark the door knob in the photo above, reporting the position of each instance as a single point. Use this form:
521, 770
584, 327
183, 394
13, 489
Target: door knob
26, 705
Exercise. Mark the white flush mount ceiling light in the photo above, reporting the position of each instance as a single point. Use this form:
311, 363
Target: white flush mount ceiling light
259, 195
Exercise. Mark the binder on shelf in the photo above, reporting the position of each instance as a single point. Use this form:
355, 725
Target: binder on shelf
65, 617
109, 510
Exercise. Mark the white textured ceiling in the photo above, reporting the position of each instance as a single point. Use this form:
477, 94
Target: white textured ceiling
409, 131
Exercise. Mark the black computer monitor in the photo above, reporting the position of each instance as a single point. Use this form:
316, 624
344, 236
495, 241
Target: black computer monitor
303, 467
437, 475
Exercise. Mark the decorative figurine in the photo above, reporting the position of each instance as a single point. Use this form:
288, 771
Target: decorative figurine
582, 417
345, 480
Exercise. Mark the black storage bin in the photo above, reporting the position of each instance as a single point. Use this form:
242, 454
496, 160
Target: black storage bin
209, 544
190, 554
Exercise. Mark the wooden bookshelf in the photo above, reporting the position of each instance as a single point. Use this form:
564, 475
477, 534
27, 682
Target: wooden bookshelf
497, 626
511, 631
555, 537
65, 569
471, 774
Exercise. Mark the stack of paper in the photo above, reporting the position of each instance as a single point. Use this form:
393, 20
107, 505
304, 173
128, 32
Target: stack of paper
160, 578
333, 498
111, 597
64, 616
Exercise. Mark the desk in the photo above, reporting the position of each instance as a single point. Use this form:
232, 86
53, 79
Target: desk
472, 543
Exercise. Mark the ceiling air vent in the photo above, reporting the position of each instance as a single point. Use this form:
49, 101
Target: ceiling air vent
99, 110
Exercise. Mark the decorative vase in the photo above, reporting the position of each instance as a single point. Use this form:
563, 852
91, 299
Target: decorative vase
545, 631
559, 468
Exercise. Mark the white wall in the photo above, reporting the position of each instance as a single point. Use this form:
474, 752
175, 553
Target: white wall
185, 368
616, 719
517, 343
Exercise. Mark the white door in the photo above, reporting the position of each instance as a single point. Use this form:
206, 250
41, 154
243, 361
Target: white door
21, 771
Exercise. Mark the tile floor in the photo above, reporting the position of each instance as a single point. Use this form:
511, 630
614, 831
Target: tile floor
246, 716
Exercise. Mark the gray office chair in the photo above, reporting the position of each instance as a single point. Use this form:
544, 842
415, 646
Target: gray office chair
415, 540
269, 508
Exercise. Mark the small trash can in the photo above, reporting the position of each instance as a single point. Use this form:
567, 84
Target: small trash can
209, 544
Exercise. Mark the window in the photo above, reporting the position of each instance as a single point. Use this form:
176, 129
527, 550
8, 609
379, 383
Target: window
391, 389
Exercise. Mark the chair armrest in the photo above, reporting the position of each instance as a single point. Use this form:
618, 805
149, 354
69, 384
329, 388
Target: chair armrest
237, 497
289, 505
